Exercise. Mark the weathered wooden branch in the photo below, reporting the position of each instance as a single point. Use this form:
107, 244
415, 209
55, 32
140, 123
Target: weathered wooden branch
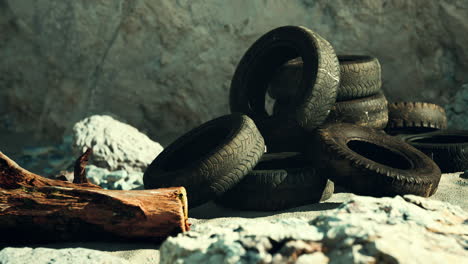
80, 167
37, 209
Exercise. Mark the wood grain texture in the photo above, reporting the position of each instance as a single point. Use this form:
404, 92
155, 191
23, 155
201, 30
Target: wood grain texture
36, 209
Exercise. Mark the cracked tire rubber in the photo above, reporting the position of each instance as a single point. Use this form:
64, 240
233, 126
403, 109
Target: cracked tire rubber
369, 111
316, 92
209, 159
415, 117
371, 163
360, 77
279, 181
448, 148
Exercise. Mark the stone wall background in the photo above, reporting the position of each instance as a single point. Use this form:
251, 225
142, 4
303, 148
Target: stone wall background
165, 66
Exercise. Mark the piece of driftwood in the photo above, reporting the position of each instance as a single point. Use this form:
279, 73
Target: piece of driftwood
37, 209
79, 175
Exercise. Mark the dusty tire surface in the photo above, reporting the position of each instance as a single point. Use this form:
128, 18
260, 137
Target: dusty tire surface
369, 111
371, 163
415, 117
209, 159
360, 76
279, 181
316, 92
448, 148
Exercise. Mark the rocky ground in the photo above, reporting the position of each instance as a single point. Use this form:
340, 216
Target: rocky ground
345, 229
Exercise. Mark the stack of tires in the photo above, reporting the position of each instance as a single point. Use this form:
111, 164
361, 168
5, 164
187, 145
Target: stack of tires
327, 128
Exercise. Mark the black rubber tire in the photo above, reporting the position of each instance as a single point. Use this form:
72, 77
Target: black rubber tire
316, 92
360, 77
279, 181
448, 148
415, 117
369, 111
371, 163
209, 159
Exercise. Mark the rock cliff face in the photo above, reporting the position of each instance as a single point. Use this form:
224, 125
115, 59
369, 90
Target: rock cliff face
165, 66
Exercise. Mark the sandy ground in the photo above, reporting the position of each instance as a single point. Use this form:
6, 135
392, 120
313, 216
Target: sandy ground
452, 189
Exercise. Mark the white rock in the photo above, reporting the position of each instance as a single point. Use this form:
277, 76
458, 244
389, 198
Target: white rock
407, 229
114, 180
11, 255
116, 145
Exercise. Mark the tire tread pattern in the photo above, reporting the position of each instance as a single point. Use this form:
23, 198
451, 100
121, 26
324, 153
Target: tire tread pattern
371, 175
416, 115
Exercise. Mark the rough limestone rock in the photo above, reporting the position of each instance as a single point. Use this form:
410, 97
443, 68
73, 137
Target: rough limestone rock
407, 229
11, 255
457, 110
116, 145
165, 66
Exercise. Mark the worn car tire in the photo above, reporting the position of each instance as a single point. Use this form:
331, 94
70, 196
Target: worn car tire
209, 159
316, 93
448, 148
369, 111
279, 181
415, 117
371, 163
360, 77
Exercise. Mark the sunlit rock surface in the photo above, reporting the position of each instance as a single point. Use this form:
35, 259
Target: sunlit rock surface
165, 66
408, 229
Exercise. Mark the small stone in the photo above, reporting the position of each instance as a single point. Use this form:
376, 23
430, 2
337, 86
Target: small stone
115, 176
96, 175
122, 185
316, 258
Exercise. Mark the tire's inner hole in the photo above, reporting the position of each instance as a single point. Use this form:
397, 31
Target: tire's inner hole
264, 68
198, 145
285, 82
410, 130
353, 58
379, 154
443, 139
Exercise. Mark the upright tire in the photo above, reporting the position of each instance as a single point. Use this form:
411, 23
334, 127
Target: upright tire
448, 148
316, 93
371, 163
279, 181
208, 160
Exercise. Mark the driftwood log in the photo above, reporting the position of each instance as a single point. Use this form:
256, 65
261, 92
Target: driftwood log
37, 209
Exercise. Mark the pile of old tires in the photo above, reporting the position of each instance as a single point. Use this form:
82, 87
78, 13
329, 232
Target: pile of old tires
331, 125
